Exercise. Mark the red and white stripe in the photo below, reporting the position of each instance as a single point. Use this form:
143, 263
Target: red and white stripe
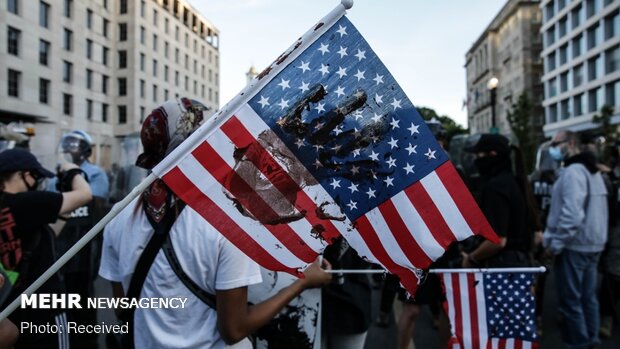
404, 234
466, 308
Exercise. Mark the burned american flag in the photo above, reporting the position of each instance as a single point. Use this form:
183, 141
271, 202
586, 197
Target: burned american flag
330, 146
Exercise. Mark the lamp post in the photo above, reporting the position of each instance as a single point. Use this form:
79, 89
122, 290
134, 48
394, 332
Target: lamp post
492, 86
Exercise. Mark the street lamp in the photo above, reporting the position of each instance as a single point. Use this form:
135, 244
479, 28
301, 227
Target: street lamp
492, 86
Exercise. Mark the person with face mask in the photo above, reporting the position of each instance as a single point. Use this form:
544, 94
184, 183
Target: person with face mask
576, 234
80, 272
503, 200
27, 239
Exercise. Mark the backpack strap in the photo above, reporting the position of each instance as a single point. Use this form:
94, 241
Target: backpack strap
204, 296
148, 255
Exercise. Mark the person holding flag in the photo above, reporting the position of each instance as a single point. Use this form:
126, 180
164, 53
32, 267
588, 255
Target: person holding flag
211, 269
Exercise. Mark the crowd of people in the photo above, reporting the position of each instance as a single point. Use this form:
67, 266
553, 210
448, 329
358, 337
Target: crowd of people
577, 234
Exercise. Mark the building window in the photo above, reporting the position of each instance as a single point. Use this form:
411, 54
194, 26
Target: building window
595, 68
142, 114
186, 83
166, 73
612, 25
123, 6
105, 81
13, 39
564, 82
122, 114
166, 48
562, 24
553, 113
89, 48
565, 110
195, 87
44, 89
122, 31
105, 27
13, 83
166, 94
579, 102
186, 40
552, 88
176, 55
155, 42
89, 109
67, 71
202, 91
13, 6
616, 93
591, 7
122, 59
142, 8
155, 17
166, 25
577, 45
612, 59
186, 62
176, 78
563, 54
44, 14
89, 18
67, 104
104, 55
154, 68
550, 36
594, 35
122, 86
210, 94
154, 93
578, 75
104, 112
202, 71
195, 66
142, 61
67, 39
142, 35
551, 62
68, 8
142, 87
89, 79
176, 32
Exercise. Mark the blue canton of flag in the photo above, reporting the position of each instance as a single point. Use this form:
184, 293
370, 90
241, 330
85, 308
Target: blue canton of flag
489, 311
348, 121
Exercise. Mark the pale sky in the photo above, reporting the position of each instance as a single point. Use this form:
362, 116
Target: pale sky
422, 42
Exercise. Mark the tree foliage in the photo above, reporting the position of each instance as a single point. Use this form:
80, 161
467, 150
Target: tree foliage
452, 128
609, 131
521, 119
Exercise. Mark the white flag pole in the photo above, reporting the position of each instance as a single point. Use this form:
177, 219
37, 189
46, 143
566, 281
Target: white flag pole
191, 142
437, 271
490, 270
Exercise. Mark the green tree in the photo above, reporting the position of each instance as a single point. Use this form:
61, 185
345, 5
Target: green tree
521, 119
609, 131
452, 128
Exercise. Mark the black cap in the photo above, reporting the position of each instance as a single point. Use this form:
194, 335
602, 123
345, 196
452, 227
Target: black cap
490, 142
13, 160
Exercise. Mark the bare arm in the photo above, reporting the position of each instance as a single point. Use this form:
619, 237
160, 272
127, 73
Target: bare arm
236, 319
486, 250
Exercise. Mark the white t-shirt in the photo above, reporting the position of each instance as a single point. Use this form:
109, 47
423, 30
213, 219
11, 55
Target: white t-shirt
210, 260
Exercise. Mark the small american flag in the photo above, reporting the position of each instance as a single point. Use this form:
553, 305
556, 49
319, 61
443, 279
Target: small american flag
330, 146
491, 311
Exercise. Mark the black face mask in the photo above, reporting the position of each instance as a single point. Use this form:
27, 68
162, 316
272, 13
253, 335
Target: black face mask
485, 165
36, 181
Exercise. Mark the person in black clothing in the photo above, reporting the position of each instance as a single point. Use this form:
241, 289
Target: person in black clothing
27, 240
346, 301
507, 202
